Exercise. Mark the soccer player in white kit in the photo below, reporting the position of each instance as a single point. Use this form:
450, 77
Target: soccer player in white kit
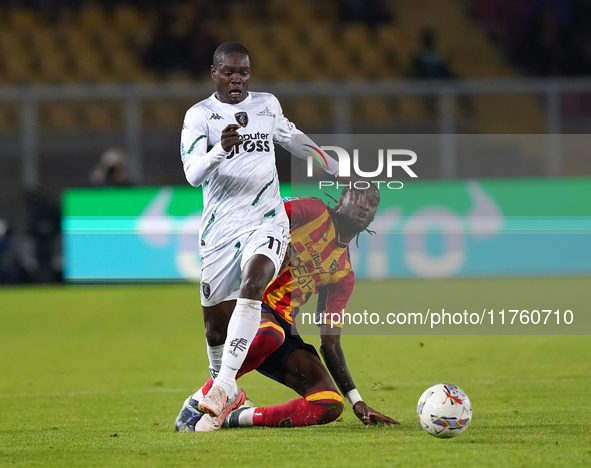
227, 148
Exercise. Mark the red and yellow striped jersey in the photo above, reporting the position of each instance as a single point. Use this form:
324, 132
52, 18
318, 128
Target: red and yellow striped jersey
319, 265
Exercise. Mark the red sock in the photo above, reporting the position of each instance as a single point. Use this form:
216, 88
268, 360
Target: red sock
207, 387
269, 337
320, 407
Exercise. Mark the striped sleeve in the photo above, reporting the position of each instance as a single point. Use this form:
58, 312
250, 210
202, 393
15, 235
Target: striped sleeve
302, 210
332, 300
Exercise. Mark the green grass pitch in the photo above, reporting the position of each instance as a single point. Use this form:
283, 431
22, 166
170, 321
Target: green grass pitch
95, 375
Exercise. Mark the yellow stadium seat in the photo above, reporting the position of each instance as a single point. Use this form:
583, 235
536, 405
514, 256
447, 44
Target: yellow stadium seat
412, 109
371, 110
9, 119
127, 18
56, 116
92, 18
54, 67
18, 68
158, 114
22, 19
310, 111
356, 37
88, 67
101, 116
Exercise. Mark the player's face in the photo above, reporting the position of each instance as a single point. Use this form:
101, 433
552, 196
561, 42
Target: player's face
232, 77
360, 206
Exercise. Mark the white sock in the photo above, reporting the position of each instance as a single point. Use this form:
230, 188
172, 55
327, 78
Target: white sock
245, 418
242, 329
214, 353
198, 395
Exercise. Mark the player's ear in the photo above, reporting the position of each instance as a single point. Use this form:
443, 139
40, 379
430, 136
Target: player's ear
213, 73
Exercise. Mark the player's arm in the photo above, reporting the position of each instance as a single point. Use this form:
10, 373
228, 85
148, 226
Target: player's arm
198, 162
299, 144
301, 210
334, 357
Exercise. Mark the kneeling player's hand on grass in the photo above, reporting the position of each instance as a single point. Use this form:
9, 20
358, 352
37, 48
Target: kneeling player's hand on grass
371, 417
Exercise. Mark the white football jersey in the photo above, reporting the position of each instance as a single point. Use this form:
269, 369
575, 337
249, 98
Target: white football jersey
240, 187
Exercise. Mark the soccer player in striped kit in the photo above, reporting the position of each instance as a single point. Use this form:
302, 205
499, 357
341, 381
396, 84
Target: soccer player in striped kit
319, 265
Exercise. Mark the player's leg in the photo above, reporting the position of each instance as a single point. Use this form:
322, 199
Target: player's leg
320, 403
268, 338
245, 318
220, 283
216, 319
261, 262
297, 365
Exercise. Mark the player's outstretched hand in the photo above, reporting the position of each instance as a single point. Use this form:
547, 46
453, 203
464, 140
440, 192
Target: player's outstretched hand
230, 137
371, 417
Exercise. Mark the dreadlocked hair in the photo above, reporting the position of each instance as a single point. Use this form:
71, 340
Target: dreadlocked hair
333, 210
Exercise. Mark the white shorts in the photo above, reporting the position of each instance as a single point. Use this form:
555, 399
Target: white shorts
221, 269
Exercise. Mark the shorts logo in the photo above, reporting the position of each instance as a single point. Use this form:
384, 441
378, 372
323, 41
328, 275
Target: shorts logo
334, 266
241, 118
215, 116
206, 290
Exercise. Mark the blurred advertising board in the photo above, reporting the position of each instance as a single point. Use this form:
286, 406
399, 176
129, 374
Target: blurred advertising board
460, 228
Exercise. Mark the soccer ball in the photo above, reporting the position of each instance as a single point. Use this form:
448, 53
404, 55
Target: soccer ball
444, 410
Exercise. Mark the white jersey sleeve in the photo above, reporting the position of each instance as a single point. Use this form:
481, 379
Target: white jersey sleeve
283, 134
198, 162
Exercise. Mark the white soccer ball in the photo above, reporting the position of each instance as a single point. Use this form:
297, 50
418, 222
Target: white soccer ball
444, 410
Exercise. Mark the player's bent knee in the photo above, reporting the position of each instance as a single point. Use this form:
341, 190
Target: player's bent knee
331, 402
271, 330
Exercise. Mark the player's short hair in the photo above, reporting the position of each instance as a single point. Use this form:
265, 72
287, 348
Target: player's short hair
228, 48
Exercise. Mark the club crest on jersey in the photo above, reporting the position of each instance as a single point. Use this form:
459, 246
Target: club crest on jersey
334, 266
266, 113
241, 118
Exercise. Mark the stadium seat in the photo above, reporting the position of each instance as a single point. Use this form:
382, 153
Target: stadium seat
23, 20
61, 117
289, 40
159, 114
310, 111
92, 18
18, 68
102, 115
9, 118
126, 18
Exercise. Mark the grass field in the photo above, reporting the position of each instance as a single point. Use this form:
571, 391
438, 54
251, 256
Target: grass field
95, 375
